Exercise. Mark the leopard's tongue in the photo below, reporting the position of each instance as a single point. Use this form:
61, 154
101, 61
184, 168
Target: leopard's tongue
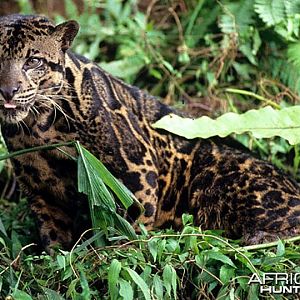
10, 105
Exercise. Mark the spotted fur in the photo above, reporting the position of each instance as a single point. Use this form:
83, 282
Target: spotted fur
49, 95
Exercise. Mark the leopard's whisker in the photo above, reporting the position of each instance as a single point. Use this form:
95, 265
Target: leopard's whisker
59, 108
23, 122
36, 110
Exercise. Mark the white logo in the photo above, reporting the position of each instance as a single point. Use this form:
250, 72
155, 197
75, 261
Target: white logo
277, 283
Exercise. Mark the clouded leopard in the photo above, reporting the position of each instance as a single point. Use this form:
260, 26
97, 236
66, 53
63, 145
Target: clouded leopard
49, 95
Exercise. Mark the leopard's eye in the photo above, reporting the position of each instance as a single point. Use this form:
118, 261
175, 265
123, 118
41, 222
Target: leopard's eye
33, 63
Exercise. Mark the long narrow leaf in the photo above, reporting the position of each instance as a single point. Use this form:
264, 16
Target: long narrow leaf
90, 183
124, 195
139, 282
124, 226
92, 180
113, 277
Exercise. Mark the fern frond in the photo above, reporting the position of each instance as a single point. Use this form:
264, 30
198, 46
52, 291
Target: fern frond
293, 54
271, 12
292, 7
284, 71
237, 16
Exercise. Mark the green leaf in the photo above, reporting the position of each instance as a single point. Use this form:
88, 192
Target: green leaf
61, 261
71, 9
16, 244
280, 249
270, 11
20, 295
158, 287
113, 277
152, 246
262, 123
124, 68
126, 197
92, 180
139, 282
25, 7
51, 294
226, 273
124, 226
2, 228
237, 17
86, 293
99, 236
292, 7
293, 54
169, 280
126, 290
211, 254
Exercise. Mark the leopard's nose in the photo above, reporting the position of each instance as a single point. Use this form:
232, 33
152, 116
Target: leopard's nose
8, 92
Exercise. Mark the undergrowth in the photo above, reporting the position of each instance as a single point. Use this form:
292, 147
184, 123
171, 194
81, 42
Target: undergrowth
190, 264
205, 57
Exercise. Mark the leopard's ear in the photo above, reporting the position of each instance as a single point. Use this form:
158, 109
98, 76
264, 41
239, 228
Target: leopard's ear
65, 33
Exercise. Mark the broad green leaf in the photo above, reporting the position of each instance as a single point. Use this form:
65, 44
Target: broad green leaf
16, 244
124, 68
113, 277
139, 282
212, 285
90, 183
211, 254
158, 287
262, 123
61, 261
71, 9
25, 6
237, 17
125, 290
226, 273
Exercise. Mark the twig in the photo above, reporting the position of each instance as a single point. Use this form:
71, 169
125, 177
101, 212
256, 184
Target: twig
73, 248
38, 148
251, 94
17, 258
271, 244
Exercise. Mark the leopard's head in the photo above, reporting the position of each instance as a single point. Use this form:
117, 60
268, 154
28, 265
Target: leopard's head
32, 52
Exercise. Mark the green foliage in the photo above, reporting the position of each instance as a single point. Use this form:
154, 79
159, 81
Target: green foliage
92, 180
262, 123
198, 52
160, 265
271, 12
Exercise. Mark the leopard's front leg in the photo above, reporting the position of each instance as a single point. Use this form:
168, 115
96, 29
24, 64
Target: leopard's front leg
144, 185
55, 226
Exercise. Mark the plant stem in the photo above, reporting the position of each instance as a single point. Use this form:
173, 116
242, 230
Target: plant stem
38, 148
271, 244
251, 94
